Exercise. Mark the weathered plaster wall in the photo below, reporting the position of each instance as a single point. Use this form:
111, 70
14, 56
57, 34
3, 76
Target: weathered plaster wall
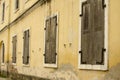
68, 26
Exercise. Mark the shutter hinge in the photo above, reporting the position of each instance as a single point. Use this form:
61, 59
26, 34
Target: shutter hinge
56, 24
81, 15
43, 54
80, 52
55, 53
44, 28
104, 6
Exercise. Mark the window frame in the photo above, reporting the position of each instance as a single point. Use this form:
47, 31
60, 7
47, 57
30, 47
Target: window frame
45, 64
88, 66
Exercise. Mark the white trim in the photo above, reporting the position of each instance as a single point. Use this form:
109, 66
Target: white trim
51, 65
95, 67
27, 65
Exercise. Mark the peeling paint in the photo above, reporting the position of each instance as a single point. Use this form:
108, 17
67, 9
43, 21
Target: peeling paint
65, 72
114, 73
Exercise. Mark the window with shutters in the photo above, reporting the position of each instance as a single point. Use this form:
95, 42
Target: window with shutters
16, 5
93, 50
26, 47
3, 52
3, 11
50, 55
14, 44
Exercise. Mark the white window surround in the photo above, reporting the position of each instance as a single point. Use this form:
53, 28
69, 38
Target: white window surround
51, 65
95, 67
27, 65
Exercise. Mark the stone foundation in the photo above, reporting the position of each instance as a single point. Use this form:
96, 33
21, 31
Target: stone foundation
14, 76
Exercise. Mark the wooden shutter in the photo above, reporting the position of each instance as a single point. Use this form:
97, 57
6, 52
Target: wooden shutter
86, 34
53, 36
3, 11
3, 52
26, 47
14, 49
92, 32
98, 32
50, 40
17, 4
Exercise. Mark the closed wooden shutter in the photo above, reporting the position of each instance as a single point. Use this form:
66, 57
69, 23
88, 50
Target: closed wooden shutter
98, 32
26, 47
50, 40
14, 49
92, 32
3, 52
3, 11
86, 34
17, 4
47, 42
53, 38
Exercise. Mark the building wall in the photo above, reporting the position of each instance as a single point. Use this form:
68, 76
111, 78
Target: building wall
68, 35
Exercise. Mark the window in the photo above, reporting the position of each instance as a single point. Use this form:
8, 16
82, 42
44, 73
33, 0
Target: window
3, 11
14, 41
51, 41
93, 49
26, 47
16, 4
3, 53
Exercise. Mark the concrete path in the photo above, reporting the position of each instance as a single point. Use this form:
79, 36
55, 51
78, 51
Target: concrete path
4, 79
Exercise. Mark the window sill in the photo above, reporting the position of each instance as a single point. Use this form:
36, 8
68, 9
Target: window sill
2, 22
50, 65
3, 64
16, 10
14, 64
93, 67
26, 65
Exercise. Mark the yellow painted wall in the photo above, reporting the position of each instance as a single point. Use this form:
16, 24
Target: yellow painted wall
68, 32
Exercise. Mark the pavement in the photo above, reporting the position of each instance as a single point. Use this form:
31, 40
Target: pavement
4, 79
